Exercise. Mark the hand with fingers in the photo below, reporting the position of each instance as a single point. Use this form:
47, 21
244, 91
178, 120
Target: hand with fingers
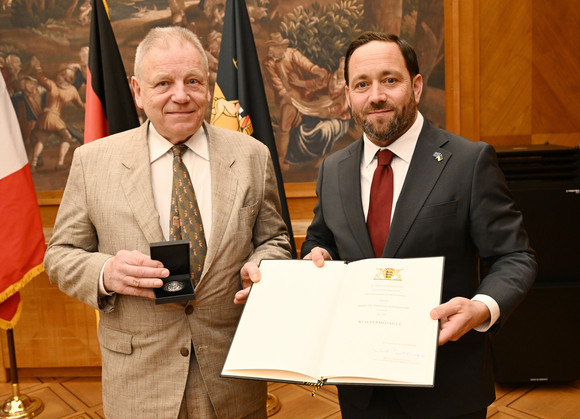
458, 316
318, 255
249, 273
133, 273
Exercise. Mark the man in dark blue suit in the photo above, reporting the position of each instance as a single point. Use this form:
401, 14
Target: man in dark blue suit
449, 199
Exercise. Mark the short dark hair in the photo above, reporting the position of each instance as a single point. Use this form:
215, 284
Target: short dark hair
407, 50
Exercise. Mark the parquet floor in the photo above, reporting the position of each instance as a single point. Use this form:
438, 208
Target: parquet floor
80, 397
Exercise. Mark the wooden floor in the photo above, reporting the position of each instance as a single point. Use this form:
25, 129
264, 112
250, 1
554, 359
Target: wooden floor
81, 398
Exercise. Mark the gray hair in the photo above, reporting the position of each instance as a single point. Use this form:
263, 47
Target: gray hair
162, 36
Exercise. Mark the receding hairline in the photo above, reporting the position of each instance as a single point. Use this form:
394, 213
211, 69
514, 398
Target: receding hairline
161, 36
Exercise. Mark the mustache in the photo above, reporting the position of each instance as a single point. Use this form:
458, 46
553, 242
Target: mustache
380, 106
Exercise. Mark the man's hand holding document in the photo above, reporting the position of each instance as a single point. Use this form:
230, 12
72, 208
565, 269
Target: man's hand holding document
364, 322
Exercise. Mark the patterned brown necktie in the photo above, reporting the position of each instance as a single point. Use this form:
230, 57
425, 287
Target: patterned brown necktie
185, 222
381, 202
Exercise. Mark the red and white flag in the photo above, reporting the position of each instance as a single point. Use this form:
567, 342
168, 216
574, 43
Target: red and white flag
21, 238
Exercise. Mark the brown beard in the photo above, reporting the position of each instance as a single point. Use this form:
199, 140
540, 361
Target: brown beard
402, 120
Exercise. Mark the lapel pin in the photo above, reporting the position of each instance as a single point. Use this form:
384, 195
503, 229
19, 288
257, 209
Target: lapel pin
438, 156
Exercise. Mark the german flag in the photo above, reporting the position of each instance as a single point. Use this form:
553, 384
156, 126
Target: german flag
109, 103
239, 88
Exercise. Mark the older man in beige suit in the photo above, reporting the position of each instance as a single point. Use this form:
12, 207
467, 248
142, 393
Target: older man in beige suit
164, 361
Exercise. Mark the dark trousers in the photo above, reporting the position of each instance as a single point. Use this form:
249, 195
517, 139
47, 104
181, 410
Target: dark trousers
385, 405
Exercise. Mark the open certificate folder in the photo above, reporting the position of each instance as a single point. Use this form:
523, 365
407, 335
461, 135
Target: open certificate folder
364, 322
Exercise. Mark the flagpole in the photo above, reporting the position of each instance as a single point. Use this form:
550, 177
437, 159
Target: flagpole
19, 405
273, 404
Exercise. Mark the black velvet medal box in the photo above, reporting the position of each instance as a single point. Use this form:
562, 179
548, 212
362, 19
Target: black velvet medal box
178, 286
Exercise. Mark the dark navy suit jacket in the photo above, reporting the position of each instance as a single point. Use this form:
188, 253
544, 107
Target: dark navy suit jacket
458, 207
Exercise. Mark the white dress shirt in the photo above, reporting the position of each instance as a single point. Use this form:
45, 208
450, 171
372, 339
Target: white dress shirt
403, 149
196, 159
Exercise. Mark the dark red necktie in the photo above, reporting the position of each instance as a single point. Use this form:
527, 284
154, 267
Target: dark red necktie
381, 202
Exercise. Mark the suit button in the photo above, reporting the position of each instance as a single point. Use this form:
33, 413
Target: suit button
188, 309
184, 351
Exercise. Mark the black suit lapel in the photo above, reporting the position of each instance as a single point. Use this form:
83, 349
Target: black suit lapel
349, 187
424, 171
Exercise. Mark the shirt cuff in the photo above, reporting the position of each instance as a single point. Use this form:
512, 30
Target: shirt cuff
102, 291
493, 309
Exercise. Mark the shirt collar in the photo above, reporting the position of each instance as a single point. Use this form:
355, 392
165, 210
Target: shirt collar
403, 147
158, 146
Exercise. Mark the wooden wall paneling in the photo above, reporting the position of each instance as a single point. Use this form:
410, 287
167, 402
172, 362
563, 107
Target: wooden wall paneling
4, 360
301, 199
556, 65
506, 71
54, 331
48, 202
462, 67
452, 68
471, 52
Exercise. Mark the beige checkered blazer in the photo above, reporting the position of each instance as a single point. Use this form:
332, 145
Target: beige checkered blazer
108, 206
